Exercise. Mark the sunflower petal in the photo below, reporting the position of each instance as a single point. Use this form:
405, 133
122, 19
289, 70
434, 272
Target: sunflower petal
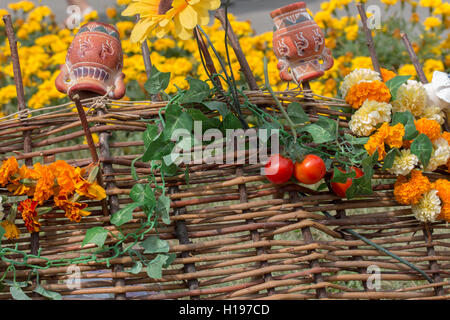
188, 17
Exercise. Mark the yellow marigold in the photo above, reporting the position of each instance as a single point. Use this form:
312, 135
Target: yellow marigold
409, 192
9, 168
45, 185
432, 65
21, 5
387, 74
11, 230
375, 90
430, 128
111, 12
395, 136
29, 215
431, 22
407, 70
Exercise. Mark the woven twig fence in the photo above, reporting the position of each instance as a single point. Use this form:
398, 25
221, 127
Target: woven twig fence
235, 235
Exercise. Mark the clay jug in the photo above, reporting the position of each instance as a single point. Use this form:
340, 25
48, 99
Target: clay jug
299, 44
94, 63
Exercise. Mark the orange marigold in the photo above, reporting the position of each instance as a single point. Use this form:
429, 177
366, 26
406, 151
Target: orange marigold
45, 185
19, 187
395, 136
387, 74
409, 192
374, 90
66, 177
9, 168
446, 136
29, 214
443, 188
431, 128
73, 210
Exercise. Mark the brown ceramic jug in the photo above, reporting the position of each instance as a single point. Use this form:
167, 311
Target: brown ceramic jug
299, 44
94, 63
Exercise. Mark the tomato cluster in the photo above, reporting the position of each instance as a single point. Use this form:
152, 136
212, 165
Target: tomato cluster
310, 170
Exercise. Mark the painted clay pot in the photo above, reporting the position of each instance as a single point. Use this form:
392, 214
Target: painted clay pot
299, 44
94, 63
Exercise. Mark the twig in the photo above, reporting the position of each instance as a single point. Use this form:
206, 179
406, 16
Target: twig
268, 87
414, 58
234, 42
370, 44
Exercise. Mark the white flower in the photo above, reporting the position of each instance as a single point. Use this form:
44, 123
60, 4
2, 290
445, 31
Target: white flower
357, 76
438, 90
428, 208
411, 96
404, 163
371, 113
440, 154
433, 113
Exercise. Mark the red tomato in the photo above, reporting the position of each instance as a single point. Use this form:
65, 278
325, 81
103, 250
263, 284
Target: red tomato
340, 189
279, 169
310, 170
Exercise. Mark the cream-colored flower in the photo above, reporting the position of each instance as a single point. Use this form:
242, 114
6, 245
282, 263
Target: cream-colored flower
357, 76
428, 207
370, 114
411, 96
440, 154
433, 113
404, 163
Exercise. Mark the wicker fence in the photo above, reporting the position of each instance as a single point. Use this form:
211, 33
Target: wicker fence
235, 235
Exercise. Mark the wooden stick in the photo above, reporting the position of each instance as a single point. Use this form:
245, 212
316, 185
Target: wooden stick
370, 44
21, 103
234, 42
414, 58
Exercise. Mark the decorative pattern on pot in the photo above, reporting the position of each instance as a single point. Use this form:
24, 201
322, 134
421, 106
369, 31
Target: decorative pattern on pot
94, 62
299, 44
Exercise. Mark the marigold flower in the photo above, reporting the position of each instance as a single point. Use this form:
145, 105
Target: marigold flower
440, 154
443, 188
29, 214
404, 163
45, 185
9, 168
395, 136
407, 70
376, 141
19, 187
73, 210
411, 96
428, 208
371, 113
409, 192
357, 76
11, 230
430, 128
431, 22
375, 90
387, 74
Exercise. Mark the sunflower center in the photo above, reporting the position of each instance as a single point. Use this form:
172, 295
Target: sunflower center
164, 6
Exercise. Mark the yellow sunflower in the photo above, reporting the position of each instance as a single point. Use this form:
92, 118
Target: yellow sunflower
162, 15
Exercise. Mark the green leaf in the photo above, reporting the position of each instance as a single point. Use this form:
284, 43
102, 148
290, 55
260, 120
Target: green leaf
182, 121
170, 258
207, 123
153, 244
124, 215
137, 267
422, 147
395, 83
390, 157
163, 208
158, 148
157, 82
48, 294
341, 177
363, 184
356, 141
18, 294
137, 193
95, 235
150, 134
407, 119
323, 130
296, 113
133, 168
154, 268
2, 232
20, 284
221, 107
148, 200
198, 91
295, 151
230, 121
